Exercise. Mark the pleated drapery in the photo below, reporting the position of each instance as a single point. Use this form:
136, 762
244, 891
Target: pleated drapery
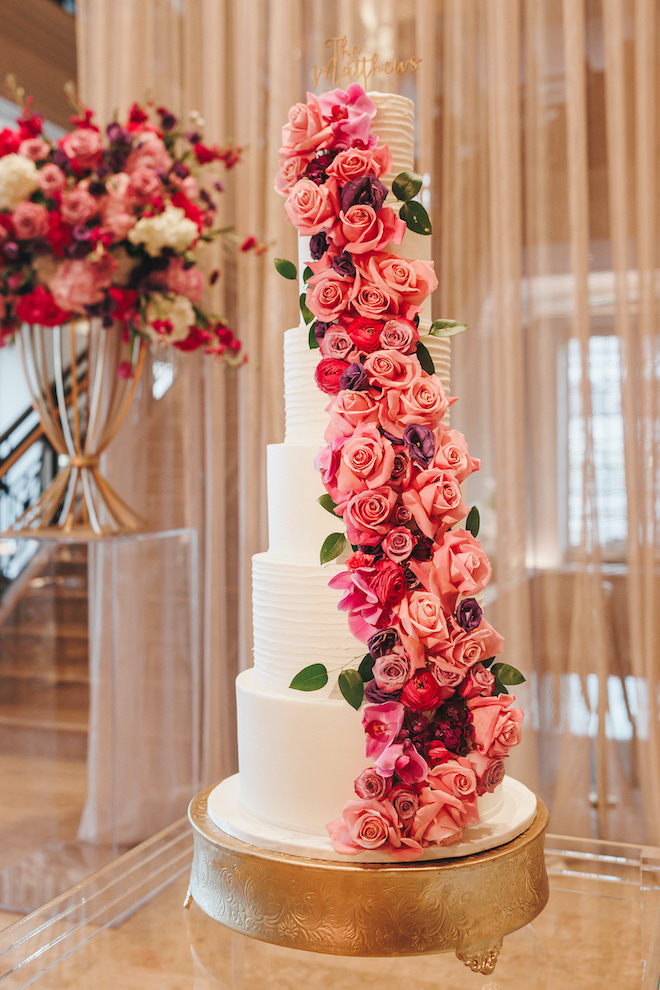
537, 126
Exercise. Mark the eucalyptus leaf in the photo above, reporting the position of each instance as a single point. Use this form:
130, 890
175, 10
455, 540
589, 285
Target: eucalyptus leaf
415, 217
326, 502
406, 185
333, 546
366, 668
312, 341
311, 678
425, 358
447, 328
286, 268
307, 274
351, 686
307, 315
506, 674
473, 521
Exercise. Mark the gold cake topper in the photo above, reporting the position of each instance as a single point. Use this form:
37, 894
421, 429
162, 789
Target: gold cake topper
348, 62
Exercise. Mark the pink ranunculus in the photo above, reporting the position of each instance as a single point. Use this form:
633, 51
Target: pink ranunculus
367, 459
291, 170
353, 163
391, 671
337, 344
460, 567
77, 206
30, 220
451, 454
367, 515
388, 580
51, 179
348, 410
77, 284
329, 294
35, 148
150, 152
413, 281
327, 374
421, 615
312, 208
83, 147
437, 821
365, 334
382, 724
495, 726
435, 501
370, 784
361, 229
464, 649
306, 129
478, 681
369, 824
422, 693
400, 335
398, 544
185, 280
391, 369
350, 113
145, 183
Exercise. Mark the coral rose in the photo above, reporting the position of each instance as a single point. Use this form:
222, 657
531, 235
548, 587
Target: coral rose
311, 208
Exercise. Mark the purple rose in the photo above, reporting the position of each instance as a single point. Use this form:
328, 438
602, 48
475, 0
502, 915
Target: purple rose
405, 802
383, 642
468, 614
367, 190
370, 784
343, 264
318, 245
354, 378
420, 443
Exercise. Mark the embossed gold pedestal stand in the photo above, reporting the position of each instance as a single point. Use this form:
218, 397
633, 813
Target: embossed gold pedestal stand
356, 909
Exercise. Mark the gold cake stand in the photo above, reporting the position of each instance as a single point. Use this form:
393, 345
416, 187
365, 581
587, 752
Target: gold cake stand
362, 909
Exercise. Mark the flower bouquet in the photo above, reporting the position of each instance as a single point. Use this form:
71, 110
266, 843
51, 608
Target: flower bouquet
100, 239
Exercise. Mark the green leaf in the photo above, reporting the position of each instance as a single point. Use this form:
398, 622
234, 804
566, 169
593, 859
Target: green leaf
326, 502
307, 274
406, 185
447, 328
311, 340
473, 521
366, 668
311, 678
307, 315
333, 546
416, 217
506, 674
425, 358
499, 688
286, 268
351, 686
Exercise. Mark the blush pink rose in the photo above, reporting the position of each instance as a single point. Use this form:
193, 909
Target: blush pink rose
399, 544
435, 501
77, 284
311, 208
495, 726
145, 184
291, 170
391, 671
421, 615
83, 147
337, 344
34, 148
412, 280
374, 301
451, 454
353, 163
148, 152
478, 680
185, 280
367, 459
306, 129
329, 294
77, 206
490, 773
465, 649
438, 818
423, 401
367, 515
369, 824
460, 567
361, 229
51, 179
349, 410
391, 369
400, 335
30, 220
458, 778
370, 784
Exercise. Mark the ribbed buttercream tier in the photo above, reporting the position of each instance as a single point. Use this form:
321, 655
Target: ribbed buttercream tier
297, 524
394, 125
296, 623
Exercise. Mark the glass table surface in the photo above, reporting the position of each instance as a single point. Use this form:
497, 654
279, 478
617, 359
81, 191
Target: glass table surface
127, 926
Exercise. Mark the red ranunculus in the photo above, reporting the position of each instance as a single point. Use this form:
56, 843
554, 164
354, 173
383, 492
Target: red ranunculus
365, 333
422, 692
328, 373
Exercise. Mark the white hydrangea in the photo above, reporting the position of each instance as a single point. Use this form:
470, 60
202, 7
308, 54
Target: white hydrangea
177, 310
169, 229
18, 180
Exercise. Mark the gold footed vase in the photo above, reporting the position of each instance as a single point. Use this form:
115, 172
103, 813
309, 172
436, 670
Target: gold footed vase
82, 379
465, 905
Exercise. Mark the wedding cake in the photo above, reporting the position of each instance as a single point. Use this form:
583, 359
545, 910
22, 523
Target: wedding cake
375, 721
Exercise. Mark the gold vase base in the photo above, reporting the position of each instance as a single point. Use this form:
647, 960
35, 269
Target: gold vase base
466, 905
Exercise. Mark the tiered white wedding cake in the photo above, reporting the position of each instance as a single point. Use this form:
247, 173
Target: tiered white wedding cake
408, 739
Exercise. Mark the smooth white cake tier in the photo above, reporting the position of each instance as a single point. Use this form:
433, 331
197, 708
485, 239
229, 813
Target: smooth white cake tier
297, 524
516, 813
296, 623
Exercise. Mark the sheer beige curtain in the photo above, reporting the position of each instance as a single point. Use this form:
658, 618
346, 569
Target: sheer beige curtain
538, 128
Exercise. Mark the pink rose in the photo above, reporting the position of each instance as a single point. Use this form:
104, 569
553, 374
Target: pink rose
391, 369
413, 281
148, 152
449, 678
369, 824
423, 401
422, 693
478, 681
460, 567
370, 784
77, 284
310, 208
435, 501
495, 729
361, 229
402, 470
421, 615
327, 374
34, 148
145, 184
77, 206
51, 179
350, 409
399, 544
371, 300
367, 459
464, 649
490, 773
391, 671
337, 344
83, 147
405, 803
30, 220
382, 724
367, 515
457, 777
306, 129
400, 335
329, 294
438, 817
185, 280
291, 170
353, 163
451, 454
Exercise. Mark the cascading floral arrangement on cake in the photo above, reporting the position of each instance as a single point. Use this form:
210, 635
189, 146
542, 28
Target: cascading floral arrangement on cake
438, 720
